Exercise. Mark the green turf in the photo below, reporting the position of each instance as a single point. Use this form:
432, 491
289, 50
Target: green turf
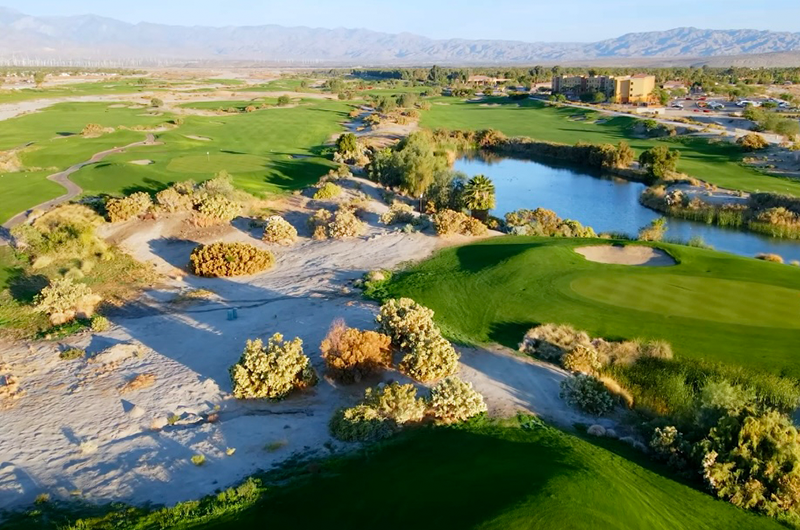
493, 478
92, 88
236, 104
711, 305
267, 151
715, 162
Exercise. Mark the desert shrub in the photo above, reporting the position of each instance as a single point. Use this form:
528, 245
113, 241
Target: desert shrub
71, 353
335, 225
93, 130
198, 460
752, 142
453, 400
172, 200
272, 371
654, 231
128, 207
229, 259
216, 209
100, 324
64, 299
581, 359
587, 393
329, 190
551, 341
221, 184
398, 213
449, 222
775, 258
406, 322
279, 230
658, 349
283, 100
753, 461
351, 354
430, 359
544, 222
669, 445
383, 412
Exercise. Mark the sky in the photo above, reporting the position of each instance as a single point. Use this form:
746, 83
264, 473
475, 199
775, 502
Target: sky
530, 21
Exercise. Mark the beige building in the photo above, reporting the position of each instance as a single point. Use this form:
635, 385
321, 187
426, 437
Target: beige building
625, 89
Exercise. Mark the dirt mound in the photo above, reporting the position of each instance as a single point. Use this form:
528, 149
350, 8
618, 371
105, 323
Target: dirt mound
627, 255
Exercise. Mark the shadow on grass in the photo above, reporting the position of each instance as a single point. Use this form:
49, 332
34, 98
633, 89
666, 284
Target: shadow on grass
23, 287
478, 477
483, 255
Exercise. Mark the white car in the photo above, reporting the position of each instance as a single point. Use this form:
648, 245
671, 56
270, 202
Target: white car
677, 105
716, 105
747, 103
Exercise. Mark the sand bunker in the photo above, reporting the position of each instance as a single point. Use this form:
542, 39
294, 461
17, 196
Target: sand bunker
627, 255
200, 138
142, 162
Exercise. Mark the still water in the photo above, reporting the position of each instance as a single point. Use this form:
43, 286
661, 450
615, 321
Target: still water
605, 204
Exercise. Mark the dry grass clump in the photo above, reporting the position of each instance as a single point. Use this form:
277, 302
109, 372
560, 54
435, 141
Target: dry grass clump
340, 224
128, 207
551, 341
328, 190
72, 353
272, 371
454, 400
278, 230
10, 390
450, 222
138, 383
351, 354
398, 213
582, 359
752, 142
229, 259
774, 258
428, 355
64, 300
93, 130
10, 162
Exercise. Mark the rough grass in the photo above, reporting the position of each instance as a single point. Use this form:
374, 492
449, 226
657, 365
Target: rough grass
482, 475
718, 163
710, 306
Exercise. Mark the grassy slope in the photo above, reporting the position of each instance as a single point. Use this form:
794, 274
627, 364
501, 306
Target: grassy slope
492, 477
493, 291
92, 88
718, 163
257, 148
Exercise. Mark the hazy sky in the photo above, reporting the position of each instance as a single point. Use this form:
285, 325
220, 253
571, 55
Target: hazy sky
533, 20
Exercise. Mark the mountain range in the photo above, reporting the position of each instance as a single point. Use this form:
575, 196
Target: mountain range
90, 38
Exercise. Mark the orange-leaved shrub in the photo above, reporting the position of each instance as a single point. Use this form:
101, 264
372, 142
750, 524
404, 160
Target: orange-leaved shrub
351, 354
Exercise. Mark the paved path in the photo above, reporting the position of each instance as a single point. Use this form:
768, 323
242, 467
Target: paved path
73, 190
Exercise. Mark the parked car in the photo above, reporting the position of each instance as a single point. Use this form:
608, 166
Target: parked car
677, 105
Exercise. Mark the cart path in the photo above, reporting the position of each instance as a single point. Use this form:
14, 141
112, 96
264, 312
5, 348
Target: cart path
73, 190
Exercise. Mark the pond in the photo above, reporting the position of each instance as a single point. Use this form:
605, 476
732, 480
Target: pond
606, 204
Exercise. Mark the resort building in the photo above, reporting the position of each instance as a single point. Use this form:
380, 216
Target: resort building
617, 89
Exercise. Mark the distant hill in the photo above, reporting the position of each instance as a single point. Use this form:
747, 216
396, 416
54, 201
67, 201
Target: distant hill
93, 38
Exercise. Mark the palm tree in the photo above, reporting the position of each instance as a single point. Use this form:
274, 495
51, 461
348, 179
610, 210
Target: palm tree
478, 196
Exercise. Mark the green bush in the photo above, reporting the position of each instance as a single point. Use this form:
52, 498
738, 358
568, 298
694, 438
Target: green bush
64, 299
272, 371
454, 400
335, 225
278, 230
128, 207
229, 259
172, 200
752, 142
406, 322
430, 359
329, 190
383, 412
398, 213
588, 394
100, 324
72, 353
215, 209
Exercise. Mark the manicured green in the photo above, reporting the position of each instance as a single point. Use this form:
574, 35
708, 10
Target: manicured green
516, 474
716, 162
711, 305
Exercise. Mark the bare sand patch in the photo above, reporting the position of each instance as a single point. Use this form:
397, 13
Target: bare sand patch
142, 162
627, 255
